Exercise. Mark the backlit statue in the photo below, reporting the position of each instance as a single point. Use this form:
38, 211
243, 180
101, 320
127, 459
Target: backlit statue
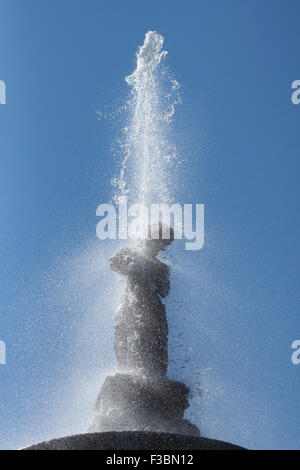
141, 329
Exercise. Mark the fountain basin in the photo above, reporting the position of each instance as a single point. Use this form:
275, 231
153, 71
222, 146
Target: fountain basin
133, 440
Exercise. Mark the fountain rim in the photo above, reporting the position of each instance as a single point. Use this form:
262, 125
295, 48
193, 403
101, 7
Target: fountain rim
132, 440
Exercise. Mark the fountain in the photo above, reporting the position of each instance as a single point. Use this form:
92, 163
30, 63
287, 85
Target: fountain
139, 407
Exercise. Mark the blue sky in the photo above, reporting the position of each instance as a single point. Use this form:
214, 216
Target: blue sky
62, 61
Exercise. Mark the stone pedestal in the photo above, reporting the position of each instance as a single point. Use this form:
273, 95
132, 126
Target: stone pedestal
130, 402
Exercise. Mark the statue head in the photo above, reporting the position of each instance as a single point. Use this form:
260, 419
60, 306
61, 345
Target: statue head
159, 237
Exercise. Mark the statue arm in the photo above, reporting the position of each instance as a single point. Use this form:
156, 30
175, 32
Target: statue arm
129, 263
158, 274
163, 287
163, 281
122, 261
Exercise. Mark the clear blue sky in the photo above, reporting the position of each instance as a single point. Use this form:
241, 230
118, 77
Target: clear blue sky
64, 60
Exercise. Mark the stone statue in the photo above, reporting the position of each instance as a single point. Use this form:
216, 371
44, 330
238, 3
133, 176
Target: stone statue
141, 329
140, 396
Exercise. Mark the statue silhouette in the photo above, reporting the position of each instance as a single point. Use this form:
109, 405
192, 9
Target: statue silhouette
141, 329
140, 396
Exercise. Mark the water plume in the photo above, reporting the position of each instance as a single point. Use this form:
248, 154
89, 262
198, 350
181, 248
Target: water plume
147, 148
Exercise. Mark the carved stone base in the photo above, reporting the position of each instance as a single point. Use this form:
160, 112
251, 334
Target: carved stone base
135, 403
